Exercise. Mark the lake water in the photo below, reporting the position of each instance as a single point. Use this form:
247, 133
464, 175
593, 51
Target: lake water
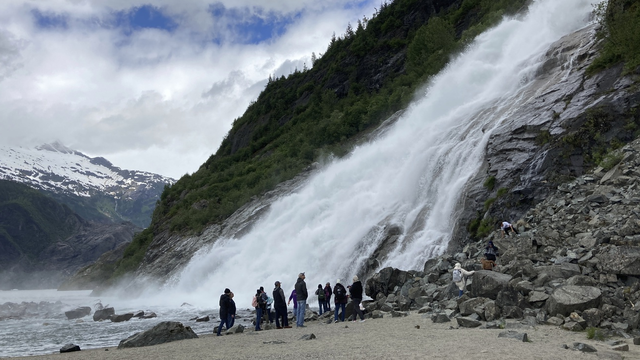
35, 324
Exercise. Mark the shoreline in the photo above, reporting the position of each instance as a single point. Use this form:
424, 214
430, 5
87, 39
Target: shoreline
414, 337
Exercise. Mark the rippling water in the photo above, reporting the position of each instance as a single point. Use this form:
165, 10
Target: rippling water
44, 329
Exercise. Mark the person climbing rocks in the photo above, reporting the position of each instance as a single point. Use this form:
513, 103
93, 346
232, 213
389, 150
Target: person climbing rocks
506, 228
491, 253
460, 278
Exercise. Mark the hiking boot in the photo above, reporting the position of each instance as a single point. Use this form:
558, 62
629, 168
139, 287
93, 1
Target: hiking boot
287, 327
362, 320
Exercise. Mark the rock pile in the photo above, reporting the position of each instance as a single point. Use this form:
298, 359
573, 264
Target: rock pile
575, 263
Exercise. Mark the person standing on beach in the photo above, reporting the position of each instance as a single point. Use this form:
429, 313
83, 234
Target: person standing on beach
295, 301
356, 297
280, 305
224, 310
327, 297
321, 299
259, 304
231, 318
340, 300
301, 294
268, 301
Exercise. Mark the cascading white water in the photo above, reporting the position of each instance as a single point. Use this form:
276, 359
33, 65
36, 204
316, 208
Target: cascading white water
412, 176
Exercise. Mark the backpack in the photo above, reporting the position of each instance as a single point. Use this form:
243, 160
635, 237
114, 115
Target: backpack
254, 302
320, 293
262, 301
340, 293
457, 275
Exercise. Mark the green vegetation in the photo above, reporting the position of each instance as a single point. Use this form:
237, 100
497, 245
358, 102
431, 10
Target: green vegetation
594, 333
544, 137
490, 183
620, 30
366, 75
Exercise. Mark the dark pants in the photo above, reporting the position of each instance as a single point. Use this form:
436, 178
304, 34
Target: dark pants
281, 313
224, 320
230, 321
335, 314
356, 307
327, 305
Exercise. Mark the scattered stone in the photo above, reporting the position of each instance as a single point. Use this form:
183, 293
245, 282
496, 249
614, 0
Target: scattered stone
235, 329
514, 335
121, 318
636, 340
274, 342
440, 318
78, 312
467, 322
308, 337
583, 347
621, 347
203, 319
69, 348
417, 326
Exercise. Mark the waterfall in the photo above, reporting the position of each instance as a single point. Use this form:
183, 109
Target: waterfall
412, 176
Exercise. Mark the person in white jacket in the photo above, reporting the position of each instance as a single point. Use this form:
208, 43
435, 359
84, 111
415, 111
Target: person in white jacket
460, 277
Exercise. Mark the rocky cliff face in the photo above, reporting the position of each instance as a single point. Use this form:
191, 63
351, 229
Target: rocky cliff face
574, 264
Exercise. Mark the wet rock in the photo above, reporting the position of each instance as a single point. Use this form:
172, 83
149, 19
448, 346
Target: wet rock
203, 319
69, 348
103, 314
78, 313
165, 331
121, 318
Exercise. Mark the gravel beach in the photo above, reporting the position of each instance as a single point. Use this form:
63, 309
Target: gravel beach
411, 337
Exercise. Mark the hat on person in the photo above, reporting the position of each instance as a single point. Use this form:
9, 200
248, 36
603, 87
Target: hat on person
458, 266
490, 242
355, 278
277, 283
226, 291
301, 275
338, 281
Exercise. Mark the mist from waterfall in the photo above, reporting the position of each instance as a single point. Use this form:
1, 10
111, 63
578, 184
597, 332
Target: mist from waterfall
412, 176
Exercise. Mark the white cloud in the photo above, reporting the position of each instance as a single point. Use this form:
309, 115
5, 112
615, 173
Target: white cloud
155, 100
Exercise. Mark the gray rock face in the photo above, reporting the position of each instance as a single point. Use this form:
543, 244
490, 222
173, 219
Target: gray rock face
566, 299
623, 260
488, 284
166, 331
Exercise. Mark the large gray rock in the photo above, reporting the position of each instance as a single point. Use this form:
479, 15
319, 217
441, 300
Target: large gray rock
622, 260
385, 281
166, 331
103, 314
121, 317
488, 284
78, 312
468, 322
561, 271
568, 298
69, 348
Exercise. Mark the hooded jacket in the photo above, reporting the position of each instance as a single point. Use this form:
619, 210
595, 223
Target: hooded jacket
301, 290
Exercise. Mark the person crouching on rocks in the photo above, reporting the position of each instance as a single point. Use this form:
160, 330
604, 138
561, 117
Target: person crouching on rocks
460, 278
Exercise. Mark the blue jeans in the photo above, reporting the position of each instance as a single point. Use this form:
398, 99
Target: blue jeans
224, 320
302, 307
338, 307
258, 317
327, 305
321, 306
230, 321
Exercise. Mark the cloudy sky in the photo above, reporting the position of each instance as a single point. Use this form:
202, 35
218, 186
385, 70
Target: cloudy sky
150, 85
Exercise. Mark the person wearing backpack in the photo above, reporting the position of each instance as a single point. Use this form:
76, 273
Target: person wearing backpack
327, 297
340, 300
460, 277
260, 305
268, 301
321, 299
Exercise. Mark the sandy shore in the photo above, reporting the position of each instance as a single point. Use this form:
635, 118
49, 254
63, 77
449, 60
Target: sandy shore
411, 337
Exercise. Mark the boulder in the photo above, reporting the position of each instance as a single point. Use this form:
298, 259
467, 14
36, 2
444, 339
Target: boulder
235, 329
622, 260
69, 348
203, 319
78, 313
103, 314
385, 281
121, 318
440, 318
468, 322
592, 317
583, 347
568, 298
467, 307
488, 284
560, 271
165, 331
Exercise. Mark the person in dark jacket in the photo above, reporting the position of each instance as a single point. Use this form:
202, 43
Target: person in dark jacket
340, 301
231, 318
224, 310
356, 297
280, 305
328, 291
321, 299
302, 295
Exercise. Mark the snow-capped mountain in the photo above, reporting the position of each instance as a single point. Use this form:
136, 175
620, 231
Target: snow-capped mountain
70, 176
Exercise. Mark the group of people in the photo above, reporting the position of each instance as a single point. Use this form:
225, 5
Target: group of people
262, 303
